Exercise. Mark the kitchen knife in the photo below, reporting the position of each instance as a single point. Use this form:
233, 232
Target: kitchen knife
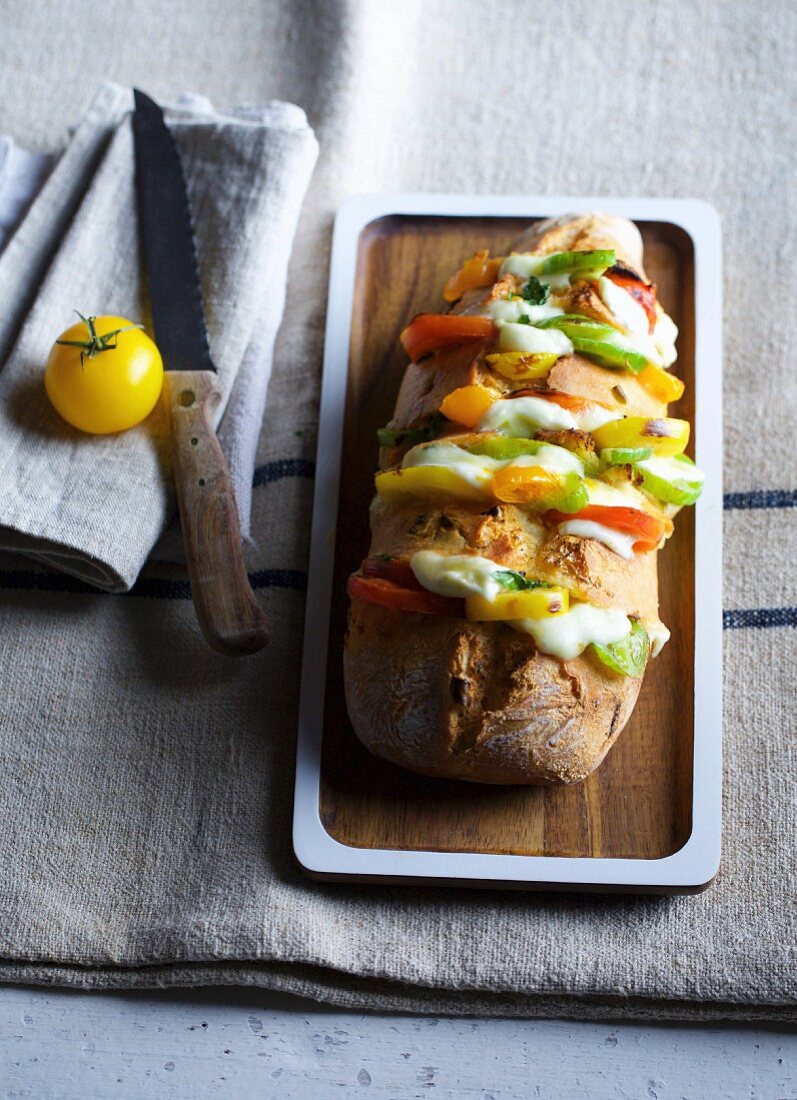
230, 617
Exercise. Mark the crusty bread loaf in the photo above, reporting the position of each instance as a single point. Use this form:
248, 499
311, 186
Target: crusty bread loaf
477, 701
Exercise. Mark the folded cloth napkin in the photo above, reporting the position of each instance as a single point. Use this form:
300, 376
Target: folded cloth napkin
95, 506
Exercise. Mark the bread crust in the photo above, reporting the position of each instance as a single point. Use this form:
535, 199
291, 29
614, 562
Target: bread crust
477, 701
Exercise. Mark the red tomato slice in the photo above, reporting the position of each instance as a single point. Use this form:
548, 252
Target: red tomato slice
427, 332
643, 293
396, 598
391, 569
649, 530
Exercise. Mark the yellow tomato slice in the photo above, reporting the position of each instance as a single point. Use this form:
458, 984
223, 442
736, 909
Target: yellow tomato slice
519, 366
524, 484
664, 435
467, 405
536, 603
478, 271
424, 481
661, 384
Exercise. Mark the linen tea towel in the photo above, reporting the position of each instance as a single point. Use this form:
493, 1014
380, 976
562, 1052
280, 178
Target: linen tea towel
95, 506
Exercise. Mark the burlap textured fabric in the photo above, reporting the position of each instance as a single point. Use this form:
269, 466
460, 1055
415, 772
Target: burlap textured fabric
145, 786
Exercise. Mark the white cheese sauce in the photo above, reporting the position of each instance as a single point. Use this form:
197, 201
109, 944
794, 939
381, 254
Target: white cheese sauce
526, 264
512, 309
658, 633
625, 308
457, 575
477, 470
556, 460
668, 468
567, 636
587, 529
527, 338
521, 417
665, 333
613, 496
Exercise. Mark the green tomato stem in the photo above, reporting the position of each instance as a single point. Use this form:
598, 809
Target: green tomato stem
95, 343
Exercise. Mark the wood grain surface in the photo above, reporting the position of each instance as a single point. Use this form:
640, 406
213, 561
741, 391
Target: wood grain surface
638, 803
229, 615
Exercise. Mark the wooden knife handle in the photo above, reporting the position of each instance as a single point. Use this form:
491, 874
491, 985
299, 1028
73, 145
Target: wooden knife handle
230, 616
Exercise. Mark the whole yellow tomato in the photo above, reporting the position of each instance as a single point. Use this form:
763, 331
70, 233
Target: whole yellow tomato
104, 374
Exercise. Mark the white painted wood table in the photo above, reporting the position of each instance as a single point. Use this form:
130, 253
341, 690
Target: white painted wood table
64, 1045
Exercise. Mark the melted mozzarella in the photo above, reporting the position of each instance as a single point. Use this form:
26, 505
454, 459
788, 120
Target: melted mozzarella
477, 470
512, 309
457, 575
514, 337
665, 333
567, 636
668, 468
587, 529
613, 496
658, 633
522, 264
557, 460
521, 417
625, 308
595, 416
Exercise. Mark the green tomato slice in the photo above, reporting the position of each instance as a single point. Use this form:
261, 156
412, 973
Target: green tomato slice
621, 456
628, 656
571, 497
561, 263
601, 343
502, 447
673, 480
577, 325
610, 354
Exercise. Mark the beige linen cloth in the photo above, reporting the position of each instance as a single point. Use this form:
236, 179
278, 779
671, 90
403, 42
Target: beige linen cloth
145, 784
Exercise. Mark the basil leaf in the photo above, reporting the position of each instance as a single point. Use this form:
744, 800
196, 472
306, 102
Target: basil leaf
535, 292
517, 582
390, 437
628, 656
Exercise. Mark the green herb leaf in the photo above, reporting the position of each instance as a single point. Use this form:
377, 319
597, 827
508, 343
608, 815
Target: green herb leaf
536, 292
517, 582
628, 656
390, 437
523, 319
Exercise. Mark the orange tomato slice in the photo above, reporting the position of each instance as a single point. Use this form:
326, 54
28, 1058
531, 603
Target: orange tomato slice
478, 271
427, 332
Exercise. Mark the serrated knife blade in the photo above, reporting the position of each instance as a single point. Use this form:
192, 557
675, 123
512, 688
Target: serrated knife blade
231, 619
168, 238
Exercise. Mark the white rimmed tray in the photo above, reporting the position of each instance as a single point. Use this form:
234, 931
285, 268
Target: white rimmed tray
359, 819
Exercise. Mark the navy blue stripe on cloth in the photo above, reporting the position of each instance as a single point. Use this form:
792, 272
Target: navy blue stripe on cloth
174, 588
758, 617
153, 588
282, 467
760, 498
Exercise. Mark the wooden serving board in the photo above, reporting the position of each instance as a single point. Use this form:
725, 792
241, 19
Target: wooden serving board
638, 805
